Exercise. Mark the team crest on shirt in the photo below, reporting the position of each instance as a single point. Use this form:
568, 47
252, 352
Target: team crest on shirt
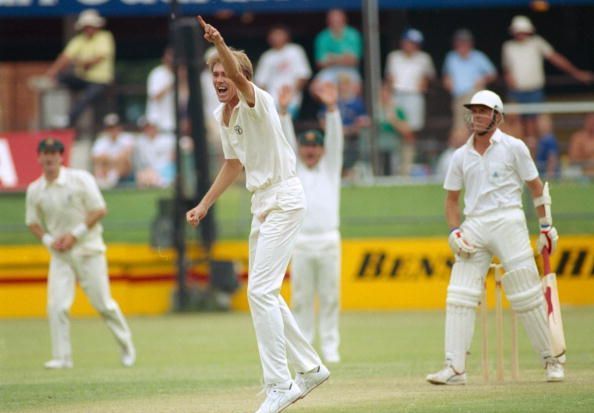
238, 129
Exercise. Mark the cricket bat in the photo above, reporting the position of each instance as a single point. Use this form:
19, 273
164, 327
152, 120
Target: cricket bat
555, 321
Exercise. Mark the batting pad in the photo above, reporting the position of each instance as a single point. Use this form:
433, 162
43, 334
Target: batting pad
524, 292
463, 296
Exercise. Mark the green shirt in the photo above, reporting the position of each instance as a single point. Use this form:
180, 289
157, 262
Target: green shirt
349, 43
388, 135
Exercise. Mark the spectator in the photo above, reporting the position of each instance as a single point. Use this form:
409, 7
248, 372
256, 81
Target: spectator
154, 157
283, 64
455, 141
112, 153
86, 64
408, 73
465, 71
352, 111
394, 133
160, 105
547, 149
581, 147
337, 50
523, 68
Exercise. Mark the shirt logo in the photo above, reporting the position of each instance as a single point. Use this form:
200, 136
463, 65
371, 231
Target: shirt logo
495, 175
238, 130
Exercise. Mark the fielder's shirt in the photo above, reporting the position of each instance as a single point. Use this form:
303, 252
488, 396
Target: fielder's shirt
255, 137
494, 180
59, 206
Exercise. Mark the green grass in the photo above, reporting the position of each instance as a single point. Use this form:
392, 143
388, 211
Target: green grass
208, 363
380, 211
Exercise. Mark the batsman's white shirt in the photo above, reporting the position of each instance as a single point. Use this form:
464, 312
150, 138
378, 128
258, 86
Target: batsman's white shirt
255, 137
61, 205
494, 180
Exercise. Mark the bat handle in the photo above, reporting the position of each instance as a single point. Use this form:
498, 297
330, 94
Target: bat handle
546, 261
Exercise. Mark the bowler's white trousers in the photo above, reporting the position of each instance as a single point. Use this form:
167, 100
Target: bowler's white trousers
316, 271
91, 273
278, 213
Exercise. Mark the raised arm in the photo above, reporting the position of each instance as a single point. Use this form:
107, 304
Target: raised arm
284, 98
334, 136
232, 70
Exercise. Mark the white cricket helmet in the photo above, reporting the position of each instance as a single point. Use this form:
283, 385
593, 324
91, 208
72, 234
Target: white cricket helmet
488, 99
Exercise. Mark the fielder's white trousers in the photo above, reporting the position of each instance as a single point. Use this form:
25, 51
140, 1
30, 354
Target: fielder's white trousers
277, 217
91, 273
316, 272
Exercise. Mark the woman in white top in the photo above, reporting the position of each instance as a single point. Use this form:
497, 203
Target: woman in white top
252, 138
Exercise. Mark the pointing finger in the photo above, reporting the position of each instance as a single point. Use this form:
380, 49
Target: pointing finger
201, 21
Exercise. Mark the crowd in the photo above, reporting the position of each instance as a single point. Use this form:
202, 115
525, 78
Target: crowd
146, 158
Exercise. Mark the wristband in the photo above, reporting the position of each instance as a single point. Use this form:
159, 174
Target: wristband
453, 229
544, 222
47, 240
79, 231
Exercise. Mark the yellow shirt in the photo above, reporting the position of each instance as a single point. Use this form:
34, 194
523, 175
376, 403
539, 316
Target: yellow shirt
82, 48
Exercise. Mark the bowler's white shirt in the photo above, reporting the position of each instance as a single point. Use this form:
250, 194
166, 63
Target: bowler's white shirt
407, 71
59, 206
494, 180
255, 137
282, 67
161, 112
321, 183
525, 61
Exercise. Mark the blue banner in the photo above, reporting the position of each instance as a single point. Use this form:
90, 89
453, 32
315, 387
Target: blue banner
48, 8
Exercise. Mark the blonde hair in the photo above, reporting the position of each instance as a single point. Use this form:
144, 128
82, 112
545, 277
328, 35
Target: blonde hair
242, 60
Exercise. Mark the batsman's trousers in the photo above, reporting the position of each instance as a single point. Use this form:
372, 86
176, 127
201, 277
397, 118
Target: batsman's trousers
91, 273
278, 214
316, 272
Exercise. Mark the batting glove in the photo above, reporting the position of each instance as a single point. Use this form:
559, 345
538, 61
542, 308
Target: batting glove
459, 245
547, 239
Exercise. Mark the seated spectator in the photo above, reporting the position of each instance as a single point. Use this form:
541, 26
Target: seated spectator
112, 153
581, 147
395, 136
465, 71
352, 110
87, 63
284, 64
160, 105
408, 73
337, 50
154, 157
547, 149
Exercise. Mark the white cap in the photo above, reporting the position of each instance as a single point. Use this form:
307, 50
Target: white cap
111, 119
486, 98
89, 17
521, 24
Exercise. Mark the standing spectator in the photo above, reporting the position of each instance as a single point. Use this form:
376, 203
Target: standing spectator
64, 210
284, 64
112, 153
523, 68
154, 156
408, 73
86, 64
547, 148
465, 71
581, 147
337, 50
160, 105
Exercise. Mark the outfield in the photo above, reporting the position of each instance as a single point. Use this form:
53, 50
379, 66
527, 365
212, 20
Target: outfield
375, 211
208, 363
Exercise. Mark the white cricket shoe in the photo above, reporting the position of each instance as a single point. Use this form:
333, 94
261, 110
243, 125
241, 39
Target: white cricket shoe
555, 370
447, 375
278, 398
311, 379
128, 355
55, 364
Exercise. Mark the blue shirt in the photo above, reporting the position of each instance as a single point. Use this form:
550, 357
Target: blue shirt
466, 72
349, 110
547, 147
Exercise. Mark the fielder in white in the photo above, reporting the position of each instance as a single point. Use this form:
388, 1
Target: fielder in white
316, 258
252, 138
64, 207
492, 168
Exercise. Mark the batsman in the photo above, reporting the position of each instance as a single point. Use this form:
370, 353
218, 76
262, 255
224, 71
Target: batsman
492, 168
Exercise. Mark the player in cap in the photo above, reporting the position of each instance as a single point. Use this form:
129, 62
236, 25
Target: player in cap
317, 255
492, 168
252, 138
63, 210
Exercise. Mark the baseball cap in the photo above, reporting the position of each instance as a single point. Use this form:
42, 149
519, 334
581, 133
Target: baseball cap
50, 144
311, 137
413, 35
111, 119
89, 17
521, 24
